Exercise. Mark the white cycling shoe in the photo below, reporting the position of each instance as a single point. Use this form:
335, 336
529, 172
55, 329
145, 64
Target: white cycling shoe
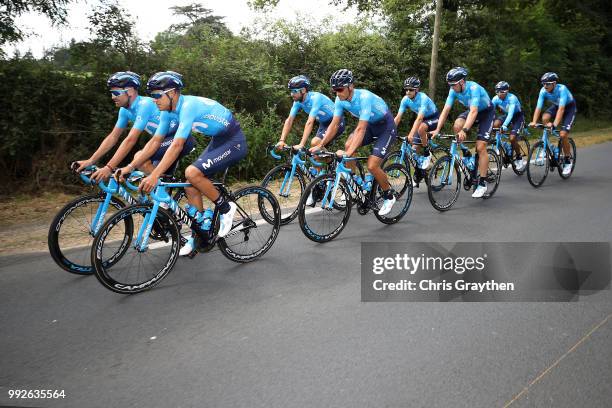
187, 248
480, 191
227, 220
567, 169
520, 164
387, 206
426, 163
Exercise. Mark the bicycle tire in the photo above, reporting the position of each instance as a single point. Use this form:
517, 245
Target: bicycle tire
269, 182
538, 160
438, 178
562, 157
403, 192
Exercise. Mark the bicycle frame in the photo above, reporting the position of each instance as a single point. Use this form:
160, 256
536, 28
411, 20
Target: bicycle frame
454, 154
545, 139
113, 188
343, 171
297, 162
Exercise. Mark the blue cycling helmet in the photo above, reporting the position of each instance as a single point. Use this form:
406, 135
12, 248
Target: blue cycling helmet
549, 77
342, 77
412, 82
502, 86
127, 79
165, 80
300, 81
455, 75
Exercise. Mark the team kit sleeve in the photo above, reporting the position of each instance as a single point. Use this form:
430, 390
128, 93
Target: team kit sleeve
338, 108
164, 124
563, 96
122, 118
143, 113
474, 97
541, 99
422, 107
365, 110
295, 109
402, 107
511, 109
186, 119
450, 99
317, 104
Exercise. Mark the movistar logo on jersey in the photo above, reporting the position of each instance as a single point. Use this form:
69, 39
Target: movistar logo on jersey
218, 119
210, 162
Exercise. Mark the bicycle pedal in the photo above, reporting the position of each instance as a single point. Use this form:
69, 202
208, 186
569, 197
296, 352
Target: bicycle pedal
192, 254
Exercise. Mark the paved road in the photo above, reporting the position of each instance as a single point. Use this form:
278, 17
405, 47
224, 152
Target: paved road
290, 331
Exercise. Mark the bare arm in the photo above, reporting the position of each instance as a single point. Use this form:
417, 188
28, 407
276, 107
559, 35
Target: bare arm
357, 137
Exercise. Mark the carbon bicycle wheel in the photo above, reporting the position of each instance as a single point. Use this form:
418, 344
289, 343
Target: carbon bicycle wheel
538, 164
400, 181
562, 156
493, 173
254, 230
136, 270
324, 220
444, 184
286, 189
70, 237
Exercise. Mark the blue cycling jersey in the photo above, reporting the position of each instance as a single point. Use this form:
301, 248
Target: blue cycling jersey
509, 105
142, 112
560, 96
473, 95
202, 115
364, 105
421, 104
315, 104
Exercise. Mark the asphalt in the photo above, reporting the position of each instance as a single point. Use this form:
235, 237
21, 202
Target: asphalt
289, 330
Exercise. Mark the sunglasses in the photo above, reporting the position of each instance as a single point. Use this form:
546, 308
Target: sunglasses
118, 92
294, 91
157, 95
339, 89
548, 83
410, 89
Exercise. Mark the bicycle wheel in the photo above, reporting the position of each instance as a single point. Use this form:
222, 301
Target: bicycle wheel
493, 173
323, 221
286, 189
523, 152
538, 164
70, 233
444, 184
254, 230
135, 270
400, 181
562, 156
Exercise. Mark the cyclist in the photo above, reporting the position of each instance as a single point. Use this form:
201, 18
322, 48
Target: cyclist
513, 116
562, 111
481, 112
426, 121
205, 116
375, 126
318, 107
140, 110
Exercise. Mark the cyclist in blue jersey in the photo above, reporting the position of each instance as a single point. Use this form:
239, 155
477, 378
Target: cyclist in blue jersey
512, 117
140, 110
318, 107
205, 116
426, 120
375, 126
561, 112
480, 111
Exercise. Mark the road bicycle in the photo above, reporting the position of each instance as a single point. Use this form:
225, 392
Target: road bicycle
288, 180
507, 154
78, 222
408, 156
445, 175
144, 256
335, 193
544, 156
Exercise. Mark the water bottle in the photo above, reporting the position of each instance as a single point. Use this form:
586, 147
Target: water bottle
207, 219
368, 182
198, 216
469, 162
358, 180
555, 150
313, 172
508, 149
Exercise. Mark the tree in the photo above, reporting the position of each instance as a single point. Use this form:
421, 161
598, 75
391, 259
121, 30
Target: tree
55, 10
